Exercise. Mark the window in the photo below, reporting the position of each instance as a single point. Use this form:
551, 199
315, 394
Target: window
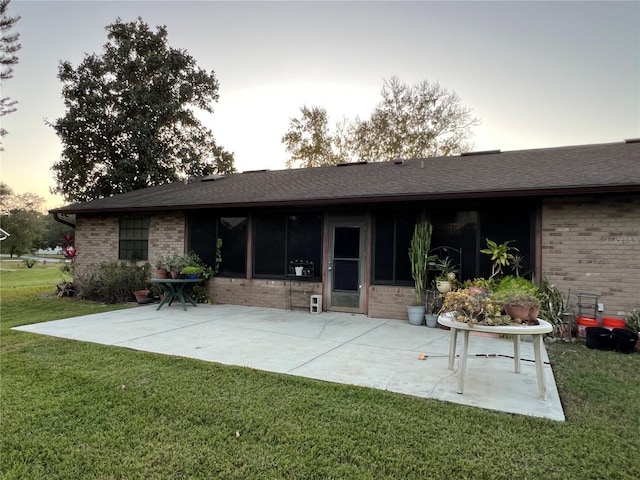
233, 232
280, 239
458, 230
134, 239
392, 240
515, 224
205, 229
269, 246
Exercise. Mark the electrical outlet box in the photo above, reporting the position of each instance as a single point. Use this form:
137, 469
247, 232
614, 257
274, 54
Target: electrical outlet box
601, 307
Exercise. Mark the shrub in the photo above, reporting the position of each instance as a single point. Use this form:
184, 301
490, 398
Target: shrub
112, 282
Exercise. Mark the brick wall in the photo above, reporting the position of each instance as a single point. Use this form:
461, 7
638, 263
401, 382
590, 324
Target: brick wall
592, 245
589, 245
390, 302
96, 238
166, 235
261, 293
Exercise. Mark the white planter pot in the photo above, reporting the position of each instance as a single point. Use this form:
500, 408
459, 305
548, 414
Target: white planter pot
443, 286
416, 314
431, 319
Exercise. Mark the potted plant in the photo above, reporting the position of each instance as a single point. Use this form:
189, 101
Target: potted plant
143, 296
175, 264
192, 271
418, 257
161, 270
465, 307
501, 255
447, 276
479, 286
433, 306
520, 299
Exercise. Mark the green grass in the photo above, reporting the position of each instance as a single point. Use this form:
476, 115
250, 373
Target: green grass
79, 410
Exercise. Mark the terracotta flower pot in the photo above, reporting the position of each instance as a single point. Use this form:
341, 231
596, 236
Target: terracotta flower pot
525, 314
142, 296
161, 273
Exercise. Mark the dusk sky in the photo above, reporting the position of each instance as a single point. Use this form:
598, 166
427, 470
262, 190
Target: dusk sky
537, 74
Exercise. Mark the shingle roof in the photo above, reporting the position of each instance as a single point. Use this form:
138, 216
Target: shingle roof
548, 171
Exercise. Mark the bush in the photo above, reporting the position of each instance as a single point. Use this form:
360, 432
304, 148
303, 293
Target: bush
112, 282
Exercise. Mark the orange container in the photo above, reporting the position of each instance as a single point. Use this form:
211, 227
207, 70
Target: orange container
612, 322
583, 323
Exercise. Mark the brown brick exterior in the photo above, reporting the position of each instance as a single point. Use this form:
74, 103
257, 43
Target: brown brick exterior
390, 302
166, 235
589, 245
96, 239
263, 293
592, 245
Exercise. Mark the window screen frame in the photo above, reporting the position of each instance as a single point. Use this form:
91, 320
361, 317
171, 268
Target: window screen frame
133, 239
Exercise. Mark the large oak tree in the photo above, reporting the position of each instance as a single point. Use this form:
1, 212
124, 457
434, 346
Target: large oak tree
130, 118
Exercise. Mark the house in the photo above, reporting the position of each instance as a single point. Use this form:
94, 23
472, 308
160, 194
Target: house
573, 212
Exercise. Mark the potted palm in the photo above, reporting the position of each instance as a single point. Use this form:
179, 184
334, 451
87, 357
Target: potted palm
418, 257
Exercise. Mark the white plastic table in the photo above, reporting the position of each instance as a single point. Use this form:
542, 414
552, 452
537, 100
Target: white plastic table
536, 331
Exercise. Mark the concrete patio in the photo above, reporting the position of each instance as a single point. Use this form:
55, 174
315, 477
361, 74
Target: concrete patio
335, 347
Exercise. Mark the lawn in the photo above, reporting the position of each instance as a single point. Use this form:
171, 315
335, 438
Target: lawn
78, 410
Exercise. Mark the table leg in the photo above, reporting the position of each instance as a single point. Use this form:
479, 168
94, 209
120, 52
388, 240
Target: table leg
190, 299
516, 353
463, 360
453, 338
169, 292
537, 347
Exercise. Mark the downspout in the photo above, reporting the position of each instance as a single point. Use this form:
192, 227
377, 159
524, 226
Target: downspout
56, 217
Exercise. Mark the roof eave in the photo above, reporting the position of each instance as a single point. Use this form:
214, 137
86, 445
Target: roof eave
532, 192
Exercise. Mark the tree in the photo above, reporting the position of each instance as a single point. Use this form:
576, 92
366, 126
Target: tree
130, 117
418, 121
308, 139
8, 47
26, 228
26, 201
424, 120
21, 215
54, 232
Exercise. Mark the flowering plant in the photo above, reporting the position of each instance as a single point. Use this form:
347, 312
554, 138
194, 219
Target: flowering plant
69, 252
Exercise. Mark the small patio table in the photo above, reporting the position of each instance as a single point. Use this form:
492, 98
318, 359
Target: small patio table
174, 288
536, 331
